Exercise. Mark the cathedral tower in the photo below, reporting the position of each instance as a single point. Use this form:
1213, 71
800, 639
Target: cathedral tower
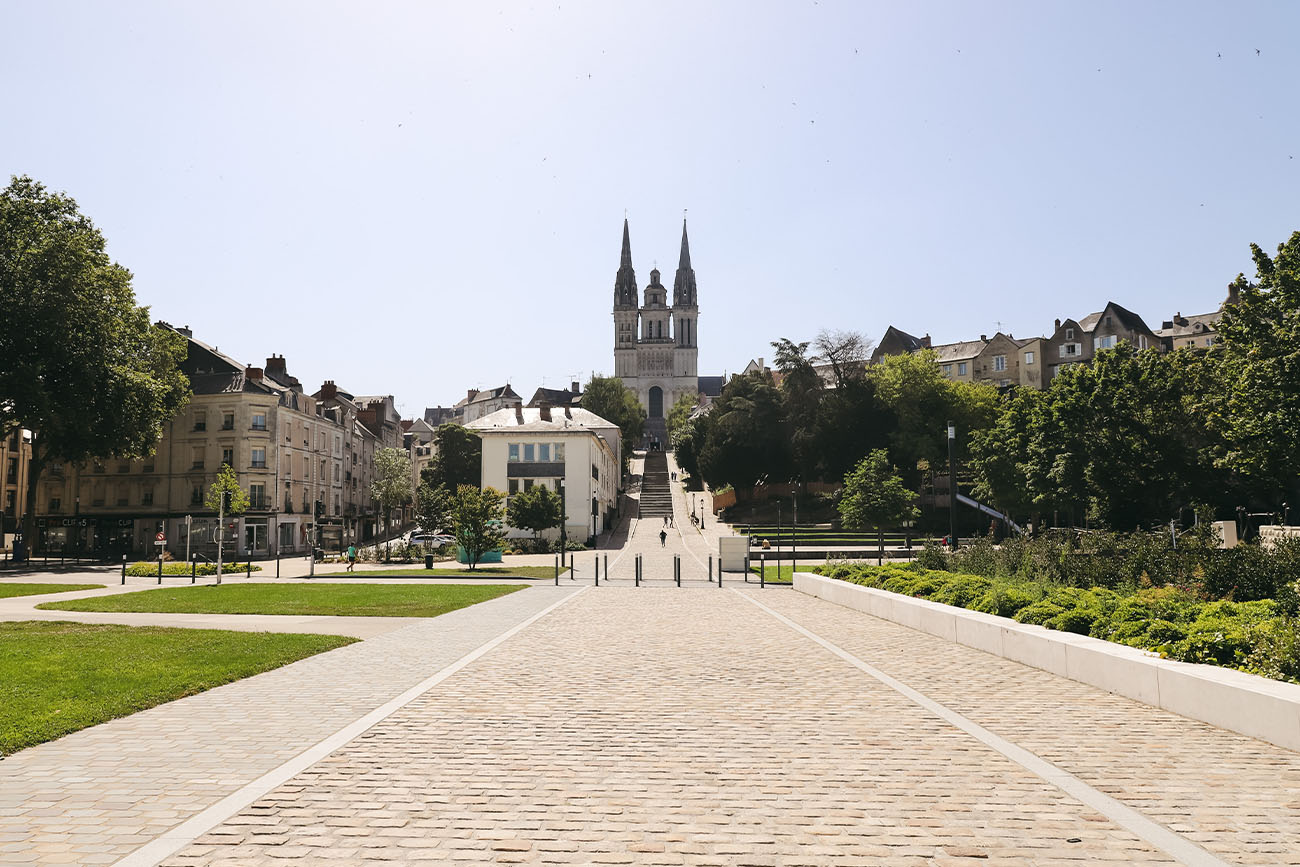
655, 345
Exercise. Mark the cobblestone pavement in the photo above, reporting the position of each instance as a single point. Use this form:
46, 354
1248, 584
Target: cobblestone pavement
665, 726
98, 794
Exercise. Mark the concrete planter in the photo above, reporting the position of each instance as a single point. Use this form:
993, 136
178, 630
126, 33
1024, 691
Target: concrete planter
1223, 697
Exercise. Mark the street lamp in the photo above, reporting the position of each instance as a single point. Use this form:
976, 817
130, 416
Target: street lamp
952, 486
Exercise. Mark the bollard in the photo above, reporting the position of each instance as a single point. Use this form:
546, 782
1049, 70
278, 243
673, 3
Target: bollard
194, 567
677, 569
710, 568
638, 570
557, 571
606, 568
160, 568
249, 565
596, 569
277, 562
762, 570
123, 568
63, 550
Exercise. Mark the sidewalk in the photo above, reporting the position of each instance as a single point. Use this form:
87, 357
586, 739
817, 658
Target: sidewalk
95, 795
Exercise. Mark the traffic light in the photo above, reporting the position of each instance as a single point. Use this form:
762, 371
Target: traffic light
320, 509
225, 501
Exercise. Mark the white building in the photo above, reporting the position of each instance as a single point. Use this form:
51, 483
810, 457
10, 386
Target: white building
527, 446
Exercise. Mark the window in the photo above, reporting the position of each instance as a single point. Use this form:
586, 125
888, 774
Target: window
336, 472
259, 421
9, 501
146, 497
147, 468
1069, 334
999, 362
947, 370
1068, 349
528, 484
1004, 382
197, 462
544, 452
259, 459
1104, 342
56, 504
559, 451
11, 475
961, 368
513, 487
200, 420
257, 496
336, 505
1029, 357
227, 421
530, 452
228, 456
513, 449
1209, 341
196, 495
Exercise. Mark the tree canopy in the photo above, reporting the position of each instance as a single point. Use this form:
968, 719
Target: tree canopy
392, 485
476, 521
457, 458
80, 364
613, 401
536, 509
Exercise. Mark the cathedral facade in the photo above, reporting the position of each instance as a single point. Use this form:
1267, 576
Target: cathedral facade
655, 345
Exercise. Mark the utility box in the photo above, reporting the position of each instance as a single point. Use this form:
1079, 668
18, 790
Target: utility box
1227, 533
733, 553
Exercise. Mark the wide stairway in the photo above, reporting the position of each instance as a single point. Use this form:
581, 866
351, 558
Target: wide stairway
656, 496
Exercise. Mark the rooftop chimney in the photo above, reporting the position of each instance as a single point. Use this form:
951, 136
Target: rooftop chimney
519, 414
984, 338
1058, 325
544, 410
275, 368
925, 341
185, 329
253, 373
329, 391
575, 387
470, 392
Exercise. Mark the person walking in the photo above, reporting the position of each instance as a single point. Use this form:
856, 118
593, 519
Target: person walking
663, 538
352, 557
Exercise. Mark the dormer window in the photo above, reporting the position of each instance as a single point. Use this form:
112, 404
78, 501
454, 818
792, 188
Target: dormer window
1069, 334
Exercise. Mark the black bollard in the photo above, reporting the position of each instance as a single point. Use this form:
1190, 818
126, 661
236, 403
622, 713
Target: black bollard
762, 570
557, 571
123, 568
249, 565
194, 567
160, 568
710, 568
677, 569
596, 569
277, 561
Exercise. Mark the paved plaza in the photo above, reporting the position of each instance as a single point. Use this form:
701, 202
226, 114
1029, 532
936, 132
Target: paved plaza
657, 726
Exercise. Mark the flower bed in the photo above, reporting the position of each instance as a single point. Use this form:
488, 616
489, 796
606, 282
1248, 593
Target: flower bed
1259, 637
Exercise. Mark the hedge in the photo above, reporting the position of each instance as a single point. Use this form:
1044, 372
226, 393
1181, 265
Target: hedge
145, 569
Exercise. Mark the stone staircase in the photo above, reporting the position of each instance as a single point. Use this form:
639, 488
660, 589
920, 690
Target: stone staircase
656, 495
656, 429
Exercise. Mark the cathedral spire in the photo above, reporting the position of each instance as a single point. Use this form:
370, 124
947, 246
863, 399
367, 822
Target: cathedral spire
684, 281
625, 289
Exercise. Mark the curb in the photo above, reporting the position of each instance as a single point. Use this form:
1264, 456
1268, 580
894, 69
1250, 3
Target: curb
1243, 703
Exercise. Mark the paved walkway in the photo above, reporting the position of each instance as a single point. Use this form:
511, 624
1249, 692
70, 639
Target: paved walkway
654, 726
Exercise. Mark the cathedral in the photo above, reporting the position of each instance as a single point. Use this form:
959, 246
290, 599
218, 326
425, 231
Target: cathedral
655, 346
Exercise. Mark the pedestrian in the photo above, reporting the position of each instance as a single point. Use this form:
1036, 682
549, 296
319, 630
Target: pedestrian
352, 557
665, 520
663, 538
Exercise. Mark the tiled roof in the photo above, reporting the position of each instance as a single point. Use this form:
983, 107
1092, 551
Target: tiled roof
1186, 326
562, 418
961, 351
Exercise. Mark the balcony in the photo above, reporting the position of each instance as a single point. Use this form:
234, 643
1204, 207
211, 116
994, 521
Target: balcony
259, 465
259, 504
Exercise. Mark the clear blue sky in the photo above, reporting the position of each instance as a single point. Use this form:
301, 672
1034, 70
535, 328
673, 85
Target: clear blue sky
417, 198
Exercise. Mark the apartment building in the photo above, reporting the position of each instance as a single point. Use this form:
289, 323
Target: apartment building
286, 451
15, 458
528, 446
1078, 341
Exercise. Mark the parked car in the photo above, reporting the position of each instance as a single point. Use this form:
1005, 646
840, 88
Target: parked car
432, 541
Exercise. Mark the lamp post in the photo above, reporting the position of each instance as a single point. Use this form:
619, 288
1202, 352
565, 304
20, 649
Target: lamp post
952, 486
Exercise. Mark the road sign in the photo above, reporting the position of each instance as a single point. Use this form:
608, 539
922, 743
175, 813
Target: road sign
161, 538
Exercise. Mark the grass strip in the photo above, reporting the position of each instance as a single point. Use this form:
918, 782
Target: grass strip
58, 677
772, 575
480, 572
353, 600
8, 590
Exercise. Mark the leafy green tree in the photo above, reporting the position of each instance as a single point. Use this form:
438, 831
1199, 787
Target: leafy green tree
613, 401
392, 485
745, 442
874, 495
227, 499
801, 396
686, 447
476, 521
922, 401
80, 365
432, 506
679, 415
1259, 345
537, 509
457, 458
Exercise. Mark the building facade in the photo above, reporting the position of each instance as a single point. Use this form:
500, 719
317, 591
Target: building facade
15, 458
555, 447
656, 346
293, 457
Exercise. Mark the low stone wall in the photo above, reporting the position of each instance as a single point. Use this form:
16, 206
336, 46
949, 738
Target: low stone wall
1223, 697
1269, 534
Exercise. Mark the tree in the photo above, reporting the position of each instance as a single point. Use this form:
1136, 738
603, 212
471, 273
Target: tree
845, 351
432, 507
613, 401
874, 495
744, 441
476, 521
679, 415
1259, 345
457, 458
80, 365
537, 508
392, 485
801, 393
225, 497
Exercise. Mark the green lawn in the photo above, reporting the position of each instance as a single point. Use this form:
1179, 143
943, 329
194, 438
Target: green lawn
7, 590
58, 677
363, 600
482, 571
772, 576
